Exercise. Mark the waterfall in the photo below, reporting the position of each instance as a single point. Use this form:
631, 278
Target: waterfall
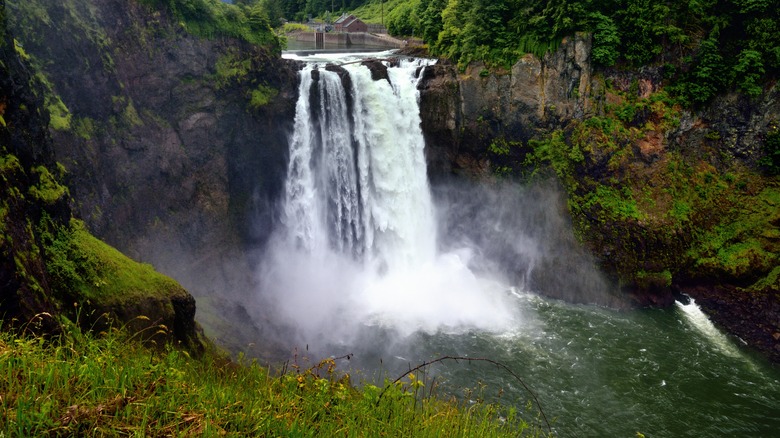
358, 242
357, 180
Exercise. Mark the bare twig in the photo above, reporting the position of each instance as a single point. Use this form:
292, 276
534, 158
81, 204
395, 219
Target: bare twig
470, 359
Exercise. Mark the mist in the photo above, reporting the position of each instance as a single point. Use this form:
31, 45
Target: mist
491, 241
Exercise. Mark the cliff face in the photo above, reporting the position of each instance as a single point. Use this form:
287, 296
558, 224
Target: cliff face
463, 113
668, 200
50, 267
174, 138
24, 141
175, 146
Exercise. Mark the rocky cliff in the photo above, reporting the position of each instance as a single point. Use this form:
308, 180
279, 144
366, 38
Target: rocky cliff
174, 145
464, 112
52, 270
24, 141
667, 199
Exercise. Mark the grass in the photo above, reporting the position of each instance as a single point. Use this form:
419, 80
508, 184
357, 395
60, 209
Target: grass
78, 261
374, 12
294, 27
108, 385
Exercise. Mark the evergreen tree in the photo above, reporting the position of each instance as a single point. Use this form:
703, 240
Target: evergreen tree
429, 13
403, 20
452, 23
606, 40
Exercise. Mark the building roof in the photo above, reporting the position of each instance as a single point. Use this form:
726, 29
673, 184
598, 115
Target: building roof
356, 20
347, 20
342, 18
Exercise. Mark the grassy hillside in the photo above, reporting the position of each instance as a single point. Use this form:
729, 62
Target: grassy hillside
109, 385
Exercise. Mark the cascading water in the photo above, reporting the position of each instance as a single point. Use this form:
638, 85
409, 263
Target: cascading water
359, 237
356, 180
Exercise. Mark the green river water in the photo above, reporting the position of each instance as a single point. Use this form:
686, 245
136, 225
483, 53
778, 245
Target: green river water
605, 373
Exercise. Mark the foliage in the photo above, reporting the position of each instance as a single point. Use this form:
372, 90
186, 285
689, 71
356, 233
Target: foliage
707, 76
681, 216
613, 202
230, 68
60, 116
499, 147
771, 149
749, 70
744, 242
708, 46
48, 190
81, 265
214, 18
85, 127
294, 27
429, 12
606, 40
553, 151
107, 384
403, 20
373, 11
262, 95
130, 115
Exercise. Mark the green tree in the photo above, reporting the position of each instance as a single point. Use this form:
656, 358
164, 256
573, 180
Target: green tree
273, 11
431, 23
453, 21
484, 31
749, 70
636, 32
606, 40
708, 76
403, 19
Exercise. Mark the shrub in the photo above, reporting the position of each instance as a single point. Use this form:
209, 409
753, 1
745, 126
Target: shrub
771, 148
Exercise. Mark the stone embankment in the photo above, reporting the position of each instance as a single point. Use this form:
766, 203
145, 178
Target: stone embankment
345, 39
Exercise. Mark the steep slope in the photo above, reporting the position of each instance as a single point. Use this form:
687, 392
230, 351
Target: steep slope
172, 124
167, 133
176, 148
52, 270
175, 144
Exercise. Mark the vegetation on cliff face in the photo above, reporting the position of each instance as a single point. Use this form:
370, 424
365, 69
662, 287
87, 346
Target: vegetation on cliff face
668, 145
90, 376
140, 162
51, 267
215, 18
667, 199
676, 215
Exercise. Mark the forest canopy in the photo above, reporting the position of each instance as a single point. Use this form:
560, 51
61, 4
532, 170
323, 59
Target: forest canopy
705, 46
